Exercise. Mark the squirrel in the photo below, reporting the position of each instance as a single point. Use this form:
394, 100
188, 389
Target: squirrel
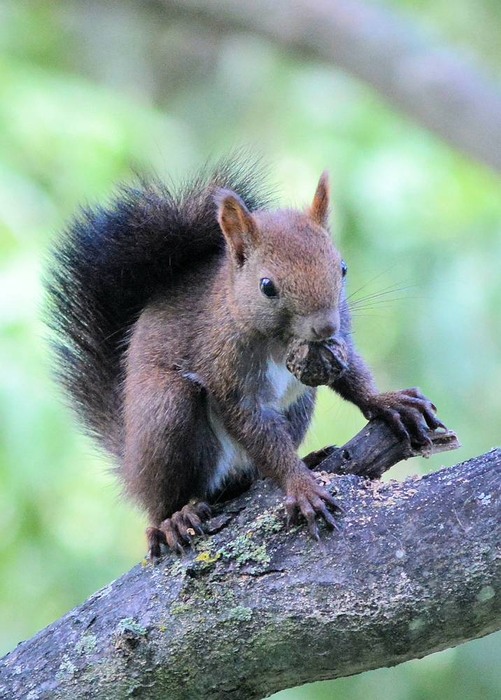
172, 312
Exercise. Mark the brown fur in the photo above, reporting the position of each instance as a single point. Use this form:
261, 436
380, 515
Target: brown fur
174, 351
197, 374
206, 347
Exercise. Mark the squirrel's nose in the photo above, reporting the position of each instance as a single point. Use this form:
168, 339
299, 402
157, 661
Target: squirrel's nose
325, 328
319, 325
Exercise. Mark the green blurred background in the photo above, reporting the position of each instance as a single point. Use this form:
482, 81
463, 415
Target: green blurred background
91, 90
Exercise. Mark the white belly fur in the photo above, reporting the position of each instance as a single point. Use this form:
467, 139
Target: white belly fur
232, 458
284, 390
284, 385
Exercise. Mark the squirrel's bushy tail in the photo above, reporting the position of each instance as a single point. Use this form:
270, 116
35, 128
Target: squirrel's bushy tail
108, 263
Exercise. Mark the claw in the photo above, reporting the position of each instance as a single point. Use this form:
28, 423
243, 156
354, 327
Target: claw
306, 497
155, 538
179, 529
313, 530
331, 501
329, 519
409, 413
394, 419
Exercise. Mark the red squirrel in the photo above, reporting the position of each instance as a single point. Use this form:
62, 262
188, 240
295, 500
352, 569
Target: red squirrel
172, 315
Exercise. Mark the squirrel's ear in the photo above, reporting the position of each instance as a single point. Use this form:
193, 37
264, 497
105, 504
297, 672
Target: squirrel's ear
319, 210
237, 224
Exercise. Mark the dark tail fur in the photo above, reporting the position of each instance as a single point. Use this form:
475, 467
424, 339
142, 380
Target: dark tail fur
109, 262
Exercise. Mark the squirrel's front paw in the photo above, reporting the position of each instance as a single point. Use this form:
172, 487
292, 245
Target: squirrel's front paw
306, 496
410, 414
178, 530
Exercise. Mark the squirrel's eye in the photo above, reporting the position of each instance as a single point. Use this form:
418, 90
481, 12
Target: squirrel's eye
267, 287
344, 268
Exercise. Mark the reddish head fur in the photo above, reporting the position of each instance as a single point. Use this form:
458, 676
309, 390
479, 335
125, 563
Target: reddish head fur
292, 249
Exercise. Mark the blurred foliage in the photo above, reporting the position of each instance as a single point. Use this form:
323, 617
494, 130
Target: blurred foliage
89, 91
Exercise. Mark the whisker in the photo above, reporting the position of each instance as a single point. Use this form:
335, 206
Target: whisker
391, 289
377, 303
371, 280
377, 298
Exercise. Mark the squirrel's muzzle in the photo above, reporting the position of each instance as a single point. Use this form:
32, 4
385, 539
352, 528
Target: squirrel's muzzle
318, 326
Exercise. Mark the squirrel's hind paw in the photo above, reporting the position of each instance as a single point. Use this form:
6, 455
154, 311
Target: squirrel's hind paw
178, 531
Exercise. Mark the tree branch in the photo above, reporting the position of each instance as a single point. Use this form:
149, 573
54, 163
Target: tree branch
432, 84
375, 449
255, 607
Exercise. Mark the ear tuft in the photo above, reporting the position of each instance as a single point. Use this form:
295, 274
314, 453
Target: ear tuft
319, 210
236, 222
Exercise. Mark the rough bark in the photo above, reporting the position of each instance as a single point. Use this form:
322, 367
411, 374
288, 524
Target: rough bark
433, 84
256, 607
